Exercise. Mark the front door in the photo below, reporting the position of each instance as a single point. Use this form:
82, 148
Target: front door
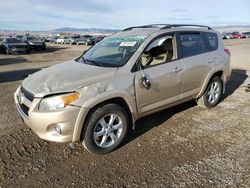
164, 72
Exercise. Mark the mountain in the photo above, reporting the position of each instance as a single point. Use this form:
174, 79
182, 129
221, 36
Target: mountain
221, 28
230, 28
59, 30
83, 30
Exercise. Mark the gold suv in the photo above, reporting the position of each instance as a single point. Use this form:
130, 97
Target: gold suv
98, 97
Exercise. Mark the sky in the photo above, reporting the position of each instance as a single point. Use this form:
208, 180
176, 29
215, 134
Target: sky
117, 14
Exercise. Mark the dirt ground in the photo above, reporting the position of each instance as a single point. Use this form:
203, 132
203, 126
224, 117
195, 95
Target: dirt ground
185, 146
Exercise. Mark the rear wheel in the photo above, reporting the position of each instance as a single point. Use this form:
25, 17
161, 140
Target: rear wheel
213, 93
106, 128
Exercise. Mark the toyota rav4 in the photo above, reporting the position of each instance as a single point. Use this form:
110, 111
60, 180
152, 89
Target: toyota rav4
96, 98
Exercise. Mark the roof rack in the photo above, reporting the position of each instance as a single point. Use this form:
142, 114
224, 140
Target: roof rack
166, 26
146, 26
185, 25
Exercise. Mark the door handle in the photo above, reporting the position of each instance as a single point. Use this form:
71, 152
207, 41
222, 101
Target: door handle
210, 61
177, 69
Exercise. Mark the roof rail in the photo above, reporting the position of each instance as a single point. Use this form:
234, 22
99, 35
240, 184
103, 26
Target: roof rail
166, 26
185, 25
146, 26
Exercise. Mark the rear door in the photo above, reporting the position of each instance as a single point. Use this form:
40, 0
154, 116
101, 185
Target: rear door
196, 60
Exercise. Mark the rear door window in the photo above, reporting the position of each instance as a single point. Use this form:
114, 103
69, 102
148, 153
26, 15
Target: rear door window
211, 41
191, 44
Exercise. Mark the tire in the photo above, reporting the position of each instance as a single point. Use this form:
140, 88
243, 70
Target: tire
7, 52
213, 93
102, 135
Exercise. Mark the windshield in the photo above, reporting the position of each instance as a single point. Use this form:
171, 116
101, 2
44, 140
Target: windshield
112, 51
34, 39
13, 40
86, 36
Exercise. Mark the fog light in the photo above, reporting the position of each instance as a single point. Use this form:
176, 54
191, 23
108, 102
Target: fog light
58, 129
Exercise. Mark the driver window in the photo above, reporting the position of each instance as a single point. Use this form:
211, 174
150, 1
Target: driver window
158, 52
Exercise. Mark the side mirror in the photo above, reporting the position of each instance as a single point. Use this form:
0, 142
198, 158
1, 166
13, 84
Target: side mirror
145, 82
146, 53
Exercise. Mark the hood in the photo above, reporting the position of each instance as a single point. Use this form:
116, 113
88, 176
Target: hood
17, 44
34, 40
65, 77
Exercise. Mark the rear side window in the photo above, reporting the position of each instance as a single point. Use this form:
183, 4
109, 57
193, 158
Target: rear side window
211, 41
191, 44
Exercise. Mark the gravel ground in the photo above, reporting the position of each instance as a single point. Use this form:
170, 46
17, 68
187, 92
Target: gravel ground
184, 146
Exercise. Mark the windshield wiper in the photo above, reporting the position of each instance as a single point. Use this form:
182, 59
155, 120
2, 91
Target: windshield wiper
96, 63
84, 60
100, 64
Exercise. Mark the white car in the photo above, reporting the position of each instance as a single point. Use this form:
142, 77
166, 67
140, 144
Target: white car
60, 40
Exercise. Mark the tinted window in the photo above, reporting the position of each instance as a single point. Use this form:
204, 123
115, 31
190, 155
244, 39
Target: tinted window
211, 41
13, 40
191, 44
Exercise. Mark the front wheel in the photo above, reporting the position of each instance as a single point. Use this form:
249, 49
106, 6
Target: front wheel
106, 128
8, 52
213, 93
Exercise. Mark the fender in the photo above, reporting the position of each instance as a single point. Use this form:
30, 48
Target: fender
207, 80
92, 102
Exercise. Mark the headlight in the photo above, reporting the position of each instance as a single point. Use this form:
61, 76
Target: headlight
31, 43
58, 102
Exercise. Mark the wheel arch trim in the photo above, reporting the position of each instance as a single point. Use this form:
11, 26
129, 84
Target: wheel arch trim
100, 99
219, 73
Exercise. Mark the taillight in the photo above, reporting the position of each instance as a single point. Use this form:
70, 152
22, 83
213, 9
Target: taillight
227, 51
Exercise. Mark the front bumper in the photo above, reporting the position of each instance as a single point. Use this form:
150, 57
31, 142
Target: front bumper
37, 46
45, 123
16, 50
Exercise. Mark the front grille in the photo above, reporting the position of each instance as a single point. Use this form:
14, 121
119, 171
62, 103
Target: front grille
37, 43
20, 48
24, 108
27, 94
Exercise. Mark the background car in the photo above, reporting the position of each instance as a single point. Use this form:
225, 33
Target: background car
247, 34
44, 38
227, 36
1, 48
13, 45
19, 36
86, 39
238, 35
34, 43
98, 38
71, 39
60, 40
53, 39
